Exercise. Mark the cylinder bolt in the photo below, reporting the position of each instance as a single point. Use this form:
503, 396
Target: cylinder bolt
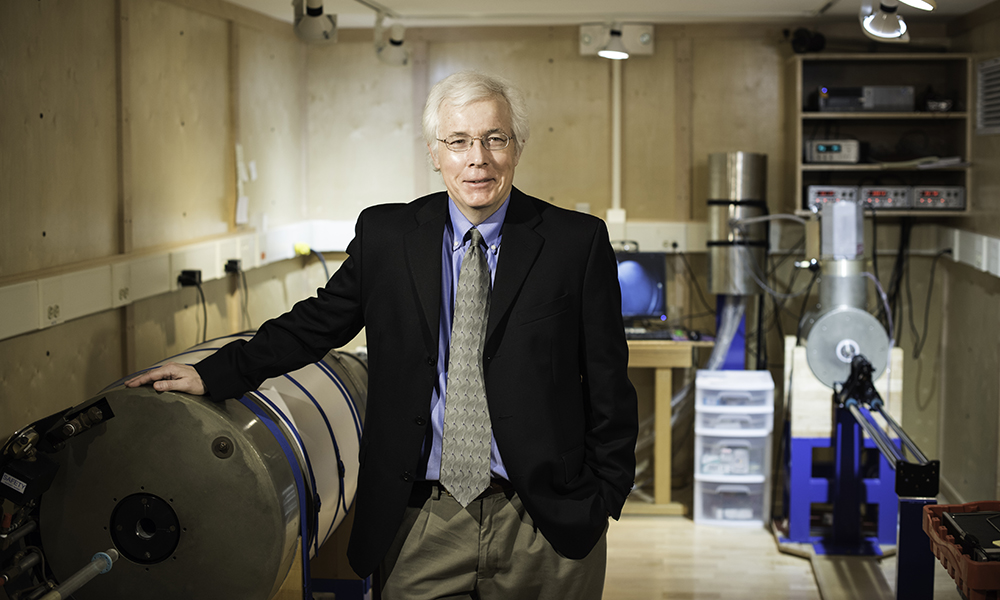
223, 447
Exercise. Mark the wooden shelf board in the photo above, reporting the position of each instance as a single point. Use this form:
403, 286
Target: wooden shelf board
637, 507
888, 213
875, 57
860, 115
871, 167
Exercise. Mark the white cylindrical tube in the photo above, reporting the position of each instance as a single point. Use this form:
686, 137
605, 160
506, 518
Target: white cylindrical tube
616, 134
101, 563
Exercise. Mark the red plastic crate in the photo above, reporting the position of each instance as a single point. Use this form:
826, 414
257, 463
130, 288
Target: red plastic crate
977, 580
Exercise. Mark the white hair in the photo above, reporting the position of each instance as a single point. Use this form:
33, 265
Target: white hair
465, 87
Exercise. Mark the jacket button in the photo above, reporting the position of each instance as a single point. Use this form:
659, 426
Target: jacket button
420, 421
431, 361
407, 476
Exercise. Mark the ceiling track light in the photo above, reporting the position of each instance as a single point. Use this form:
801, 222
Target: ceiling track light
615, 49
311, 25
883, 24
927, 5
391, 49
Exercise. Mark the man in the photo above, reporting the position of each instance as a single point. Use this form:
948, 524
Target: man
544, 354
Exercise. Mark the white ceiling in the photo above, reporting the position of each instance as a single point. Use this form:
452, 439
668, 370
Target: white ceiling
415, 13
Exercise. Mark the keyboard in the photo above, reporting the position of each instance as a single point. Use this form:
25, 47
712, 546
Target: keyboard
644, 333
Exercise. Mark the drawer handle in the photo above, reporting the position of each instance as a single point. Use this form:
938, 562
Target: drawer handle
735, 398
733, 489
732, 444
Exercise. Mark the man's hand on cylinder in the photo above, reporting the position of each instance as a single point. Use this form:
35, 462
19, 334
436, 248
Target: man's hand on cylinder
171, 377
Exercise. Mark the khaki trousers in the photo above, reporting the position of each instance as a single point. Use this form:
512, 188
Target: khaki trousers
489, 550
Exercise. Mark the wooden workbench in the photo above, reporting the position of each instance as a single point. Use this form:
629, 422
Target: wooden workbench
664, 356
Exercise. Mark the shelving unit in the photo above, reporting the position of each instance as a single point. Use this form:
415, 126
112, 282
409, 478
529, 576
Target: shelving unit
888, 136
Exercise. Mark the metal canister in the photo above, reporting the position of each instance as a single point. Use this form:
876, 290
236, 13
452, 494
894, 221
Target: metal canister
737, 190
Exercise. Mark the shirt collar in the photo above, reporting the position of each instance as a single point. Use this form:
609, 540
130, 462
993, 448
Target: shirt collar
490, 228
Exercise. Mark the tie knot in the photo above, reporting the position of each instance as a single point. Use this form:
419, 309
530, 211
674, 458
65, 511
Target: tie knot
476, 237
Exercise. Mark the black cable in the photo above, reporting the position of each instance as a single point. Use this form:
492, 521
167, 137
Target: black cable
779, 303
895, 280
204, 312
780, 306
909, 300
761, 343
875, 246
788, 254
679, 322
326, 270
694, 281
919, 344
898, 315
44, 580
246, 298
802, 309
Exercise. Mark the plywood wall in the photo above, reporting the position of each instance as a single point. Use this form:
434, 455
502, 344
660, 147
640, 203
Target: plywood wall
971, 389
91, 170
271, 124
567, 158
59, 182
361, 130
717, 85
180, 124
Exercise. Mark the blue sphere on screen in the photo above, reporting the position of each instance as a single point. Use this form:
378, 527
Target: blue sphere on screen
641, 293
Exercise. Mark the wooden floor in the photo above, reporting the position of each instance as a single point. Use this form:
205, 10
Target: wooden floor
654, 557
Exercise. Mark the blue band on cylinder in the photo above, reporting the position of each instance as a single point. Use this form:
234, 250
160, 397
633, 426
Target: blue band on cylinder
300, 485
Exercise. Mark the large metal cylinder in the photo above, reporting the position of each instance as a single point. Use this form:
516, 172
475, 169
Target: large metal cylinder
841, 327
208, 500
737, 190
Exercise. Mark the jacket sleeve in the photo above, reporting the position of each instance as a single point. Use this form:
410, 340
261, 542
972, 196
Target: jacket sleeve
612, 417
301, 336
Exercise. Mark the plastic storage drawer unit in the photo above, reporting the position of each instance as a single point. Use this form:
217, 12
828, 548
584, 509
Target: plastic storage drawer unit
734, 388
733, 420
746, 454
730, 501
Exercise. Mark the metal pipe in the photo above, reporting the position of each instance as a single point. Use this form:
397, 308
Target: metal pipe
909, 443
616, 134
889, 451
101, 563
20, 532
26, 562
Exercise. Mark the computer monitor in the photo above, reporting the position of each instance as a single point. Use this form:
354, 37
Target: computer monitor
643, 280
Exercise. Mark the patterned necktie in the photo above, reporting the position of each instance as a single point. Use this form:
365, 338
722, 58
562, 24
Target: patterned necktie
465, 448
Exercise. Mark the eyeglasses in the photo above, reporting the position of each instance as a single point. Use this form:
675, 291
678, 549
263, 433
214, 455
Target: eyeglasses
463, 143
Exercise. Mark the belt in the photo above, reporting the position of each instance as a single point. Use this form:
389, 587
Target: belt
425, 489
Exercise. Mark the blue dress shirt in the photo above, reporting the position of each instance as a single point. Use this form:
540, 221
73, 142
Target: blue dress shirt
453, 248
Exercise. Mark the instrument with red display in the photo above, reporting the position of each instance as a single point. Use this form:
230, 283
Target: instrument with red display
886, 197
939, 197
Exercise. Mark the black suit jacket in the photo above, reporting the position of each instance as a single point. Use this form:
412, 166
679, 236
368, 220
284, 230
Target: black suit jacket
562, 409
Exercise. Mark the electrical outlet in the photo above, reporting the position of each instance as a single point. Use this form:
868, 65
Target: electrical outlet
188, 278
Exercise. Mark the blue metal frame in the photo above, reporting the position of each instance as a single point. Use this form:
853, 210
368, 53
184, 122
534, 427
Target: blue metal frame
804, 490
914, 558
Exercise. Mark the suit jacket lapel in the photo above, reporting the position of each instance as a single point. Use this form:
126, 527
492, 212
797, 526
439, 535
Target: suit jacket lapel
520, 246
423, 255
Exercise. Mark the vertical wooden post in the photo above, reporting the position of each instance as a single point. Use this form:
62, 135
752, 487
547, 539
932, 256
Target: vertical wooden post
233, 291
684, 121
124, 148
683, 150
420, 87
664, 440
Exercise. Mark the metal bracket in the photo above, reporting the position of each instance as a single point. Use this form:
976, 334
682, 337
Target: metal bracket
917, 481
